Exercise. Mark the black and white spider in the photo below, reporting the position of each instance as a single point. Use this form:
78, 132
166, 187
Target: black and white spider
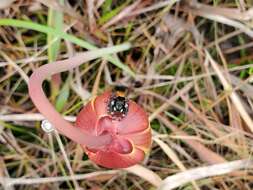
117, 106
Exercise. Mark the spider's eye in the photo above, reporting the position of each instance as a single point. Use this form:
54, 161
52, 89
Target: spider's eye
119, 105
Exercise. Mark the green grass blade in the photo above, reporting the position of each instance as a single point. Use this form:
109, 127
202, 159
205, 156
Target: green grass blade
106, 7
110, 14
63, 35
55, 20
63, 96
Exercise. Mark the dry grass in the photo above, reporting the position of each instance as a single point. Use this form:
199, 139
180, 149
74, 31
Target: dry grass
193, 65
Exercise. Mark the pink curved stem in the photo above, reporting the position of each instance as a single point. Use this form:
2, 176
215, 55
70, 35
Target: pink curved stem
46, 108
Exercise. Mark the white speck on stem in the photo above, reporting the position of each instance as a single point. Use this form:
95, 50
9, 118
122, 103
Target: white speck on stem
47, 126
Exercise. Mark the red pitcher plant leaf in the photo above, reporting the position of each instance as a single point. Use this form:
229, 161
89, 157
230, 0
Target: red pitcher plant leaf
131, 135
113, 131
